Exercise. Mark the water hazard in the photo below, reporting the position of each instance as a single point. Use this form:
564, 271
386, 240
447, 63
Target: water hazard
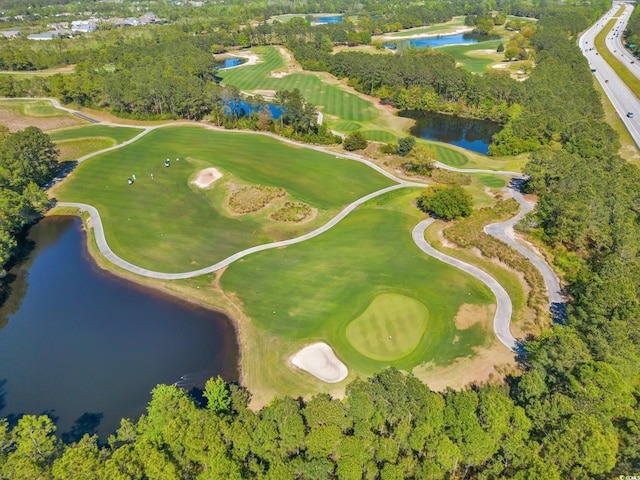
87, 348
474, 135
444, 40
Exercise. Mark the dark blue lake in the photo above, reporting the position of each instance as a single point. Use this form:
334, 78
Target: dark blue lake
474, 135
87, 347
330, 19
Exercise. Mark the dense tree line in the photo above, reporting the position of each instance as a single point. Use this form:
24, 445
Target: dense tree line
549, 108
28, 160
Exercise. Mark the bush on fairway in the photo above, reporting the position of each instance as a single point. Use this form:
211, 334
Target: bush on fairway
447, 202
390, 328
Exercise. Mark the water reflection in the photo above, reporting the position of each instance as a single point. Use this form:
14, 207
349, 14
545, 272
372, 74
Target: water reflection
467, 133
88, 348
444, 40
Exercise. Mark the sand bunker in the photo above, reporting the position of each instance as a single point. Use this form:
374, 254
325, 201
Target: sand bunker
206, 177
319, 360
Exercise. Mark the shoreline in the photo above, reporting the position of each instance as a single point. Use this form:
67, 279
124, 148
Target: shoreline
428, 35
160, 286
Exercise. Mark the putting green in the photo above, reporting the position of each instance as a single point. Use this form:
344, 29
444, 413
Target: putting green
313, 290
390, 328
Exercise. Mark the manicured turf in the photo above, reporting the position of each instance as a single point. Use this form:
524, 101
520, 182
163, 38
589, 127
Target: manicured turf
117, 134
315, 289
379, 136
33, 108
347, 126
492, 181
75, 149
333, 100
441, 28
475, 62
166, 224
449, 156
390, 328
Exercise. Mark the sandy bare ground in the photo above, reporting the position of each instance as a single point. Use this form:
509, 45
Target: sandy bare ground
319, 360
252, 59
206, 177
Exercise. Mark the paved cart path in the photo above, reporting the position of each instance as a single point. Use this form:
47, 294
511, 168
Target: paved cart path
502, 231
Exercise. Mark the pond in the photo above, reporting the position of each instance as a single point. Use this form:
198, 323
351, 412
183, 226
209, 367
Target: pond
444, 40
243, 108
230, 62
474, 135
329, 19
87, 348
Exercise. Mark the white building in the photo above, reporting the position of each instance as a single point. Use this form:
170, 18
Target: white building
83, 26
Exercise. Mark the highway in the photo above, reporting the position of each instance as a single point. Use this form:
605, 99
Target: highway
622, 98
614, 41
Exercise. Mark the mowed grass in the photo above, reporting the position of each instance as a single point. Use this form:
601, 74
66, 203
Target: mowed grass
390, 328
314, 290
75, 149
379, 136
18, 114
448, 155
167, 224
473, 57
32, 108
347, 126
117, 134
331, 99
441, 28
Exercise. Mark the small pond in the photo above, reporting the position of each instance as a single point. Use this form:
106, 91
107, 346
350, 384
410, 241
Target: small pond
329, 19
87, 348
230, 62
467, 133
444, 40
243, 108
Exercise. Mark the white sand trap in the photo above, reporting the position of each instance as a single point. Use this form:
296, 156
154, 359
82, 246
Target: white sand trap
319, 360
500, 65
206, 177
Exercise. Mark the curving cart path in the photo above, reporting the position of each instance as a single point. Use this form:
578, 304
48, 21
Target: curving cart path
502, 231
504, 307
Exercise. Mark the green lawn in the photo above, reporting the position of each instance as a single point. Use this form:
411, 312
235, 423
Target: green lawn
32, 108
390, 328
474, 62
117, 134
441, 28
379, 136
167, 224
318, 288
331, 99
77, 148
